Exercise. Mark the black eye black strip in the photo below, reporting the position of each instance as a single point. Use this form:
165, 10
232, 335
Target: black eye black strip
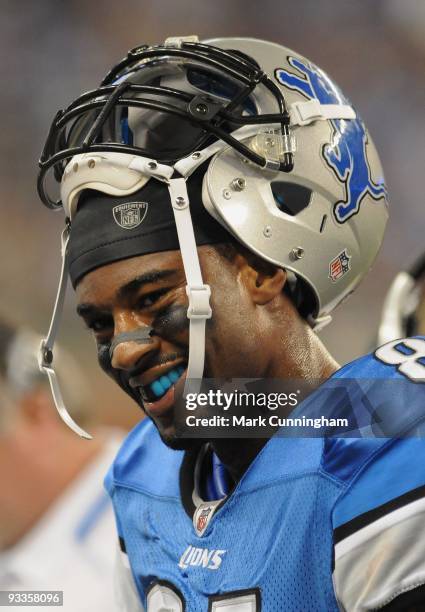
143, 335
171, 321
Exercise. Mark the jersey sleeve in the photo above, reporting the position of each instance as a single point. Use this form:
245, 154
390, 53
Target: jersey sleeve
378, 531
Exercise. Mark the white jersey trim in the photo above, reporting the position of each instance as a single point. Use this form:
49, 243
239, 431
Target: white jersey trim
370, 531
382, 560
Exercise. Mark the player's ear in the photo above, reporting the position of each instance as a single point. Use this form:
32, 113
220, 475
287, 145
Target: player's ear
263, 281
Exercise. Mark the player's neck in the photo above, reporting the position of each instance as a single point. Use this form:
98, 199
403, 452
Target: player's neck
299, 355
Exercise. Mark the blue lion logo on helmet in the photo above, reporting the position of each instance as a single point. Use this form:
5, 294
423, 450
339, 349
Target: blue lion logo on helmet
346, 153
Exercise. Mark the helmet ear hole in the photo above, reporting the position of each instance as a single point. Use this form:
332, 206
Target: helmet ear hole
291, 198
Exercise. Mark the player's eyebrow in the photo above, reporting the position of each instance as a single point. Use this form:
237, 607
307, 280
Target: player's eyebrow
135, 284
87, 310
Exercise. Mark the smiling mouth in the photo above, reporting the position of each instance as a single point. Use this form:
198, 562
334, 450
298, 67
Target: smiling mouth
157, 388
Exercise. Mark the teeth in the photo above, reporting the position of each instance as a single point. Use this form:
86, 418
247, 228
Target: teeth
173, 375
162, 384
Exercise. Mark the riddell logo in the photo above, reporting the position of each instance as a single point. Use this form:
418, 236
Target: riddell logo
211, 559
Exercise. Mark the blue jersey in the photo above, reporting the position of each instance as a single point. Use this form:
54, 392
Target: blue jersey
315, 523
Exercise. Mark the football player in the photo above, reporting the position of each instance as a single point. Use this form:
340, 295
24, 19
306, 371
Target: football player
221, 199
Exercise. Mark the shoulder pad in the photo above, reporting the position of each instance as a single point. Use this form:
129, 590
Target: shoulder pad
380, 395
145, 463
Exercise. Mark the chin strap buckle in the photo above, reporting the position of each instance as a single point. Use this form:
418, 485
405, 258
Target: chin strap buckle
306, 112
45, 356
199, 302
318, 324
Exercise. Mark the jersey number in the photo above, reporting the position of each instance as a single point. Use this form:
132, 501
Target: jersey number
164, 597
408, 355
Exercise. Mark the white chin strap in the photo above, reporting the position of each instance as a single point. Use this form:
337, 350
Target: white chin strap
45, 357
198, 294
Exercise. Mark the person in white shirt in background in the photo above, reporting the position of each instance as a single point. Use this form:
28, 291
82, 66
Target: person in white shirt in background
57, 527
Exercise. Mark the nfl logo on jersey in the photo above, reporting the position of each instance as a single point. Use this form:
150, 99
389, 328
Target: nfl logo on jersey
203, 519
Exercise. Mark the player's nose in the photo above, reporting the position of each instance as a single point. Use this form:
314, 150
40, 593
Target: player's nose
131, 347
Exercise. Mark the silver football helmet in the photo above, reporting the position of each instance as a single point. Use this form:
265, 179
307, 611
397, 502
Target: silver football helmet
291, 171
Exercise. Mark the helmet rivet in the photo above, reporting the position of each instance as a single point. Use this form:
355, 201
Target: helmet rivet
152, 165
267, 231
180, 202
75, 167
47, 356
196, 155
238, 184
202, 109
91, 163
226, 194
297, 253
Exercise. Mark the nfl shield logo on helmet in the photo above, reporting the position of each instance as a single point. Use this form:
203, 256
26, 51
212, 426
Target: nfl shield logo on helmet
129, 216
339, 266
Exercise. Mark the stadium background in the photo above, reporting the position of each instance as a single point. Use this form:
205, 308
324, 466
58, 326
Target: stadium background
52, 51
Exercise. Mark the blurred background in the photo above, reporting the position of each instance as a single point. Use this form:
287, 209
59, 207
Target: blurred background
52, 51
51, 481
